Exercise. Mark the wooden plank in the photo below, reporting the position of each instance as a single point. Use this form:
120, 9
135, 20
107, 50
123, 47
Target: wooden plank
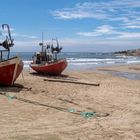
74, 82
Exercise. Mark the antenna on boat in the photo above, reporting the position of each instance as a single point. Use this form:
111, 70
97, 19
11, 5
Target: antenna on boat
8, 38
42, 43
57, 49
8, 42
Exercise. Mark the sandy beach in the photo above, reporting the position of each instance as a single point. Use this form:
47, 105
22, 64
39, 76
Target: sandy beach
36, 109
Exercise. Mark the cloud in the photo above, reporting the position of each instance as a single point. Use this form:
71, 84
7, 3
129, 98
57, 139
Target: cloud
80, 11
4, 32
123, 10
109, 32
128, 35
24, 36
124, 13
100, 31
26, 46
87, 44
78, 14
133, 26
98, 44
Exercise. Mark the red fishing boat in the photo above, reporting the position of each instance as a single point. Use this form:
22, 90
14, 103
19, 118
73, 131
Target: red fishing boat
10, 68
54, 68
46, 61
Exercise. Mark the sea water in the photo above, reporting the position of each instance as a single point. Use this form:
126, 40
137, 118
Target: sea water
84, 60
89, 61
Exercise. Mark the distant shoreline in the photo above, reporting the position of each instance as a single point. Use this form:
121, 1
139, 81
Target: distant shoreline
135, 52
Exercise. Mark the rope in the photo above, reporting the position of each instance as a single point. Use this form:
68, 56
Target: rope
86, 115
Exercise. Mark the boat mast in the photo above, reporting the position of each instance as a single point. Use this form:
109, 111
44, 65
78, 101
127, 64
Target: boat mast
42, 41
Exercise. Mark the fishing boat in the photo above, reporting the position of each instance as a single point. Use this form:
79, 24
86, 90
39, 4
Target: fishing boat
46, 61
10, 68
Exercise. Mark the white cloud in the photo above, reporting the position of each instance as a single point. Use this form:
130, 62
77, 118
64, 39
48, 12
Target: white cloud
26, 46
17, 35
80, 11
125, 14
79, 14
105, 29
129, 35
24, 36
101, 30
101, 10
109, 32
87, 44
94, 44
4, 31
133, 26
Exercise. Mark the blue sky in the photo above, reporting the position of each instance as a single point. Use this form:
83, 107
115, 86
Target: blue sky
80, 25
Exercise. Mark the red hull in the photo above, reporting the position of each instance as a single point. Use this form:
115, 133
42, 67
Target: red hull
55, 68
10, 70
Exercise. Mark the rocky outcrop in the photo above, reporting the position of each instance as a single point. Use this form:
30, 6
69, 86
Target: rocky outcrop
135, 52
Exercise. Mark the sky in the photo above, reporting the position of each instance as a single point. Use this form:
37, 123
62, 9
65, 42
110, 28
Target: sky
80, 25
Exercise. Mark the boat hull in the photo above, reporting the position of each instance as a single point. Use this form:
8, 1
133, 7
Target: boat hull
55, 68
10, 70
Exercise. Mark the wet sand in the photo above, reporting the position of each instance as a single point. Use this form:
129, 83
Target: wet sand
131, 71
35, 109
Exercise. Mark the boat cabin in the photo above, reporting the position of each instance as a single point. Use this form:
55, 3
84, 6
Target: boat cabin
48, 53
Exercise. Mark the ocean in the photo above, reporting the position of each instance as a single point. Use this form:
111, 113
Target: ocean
84, 60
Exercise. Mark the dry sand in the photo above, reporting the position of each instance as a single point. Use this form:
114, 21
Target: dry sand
41, 110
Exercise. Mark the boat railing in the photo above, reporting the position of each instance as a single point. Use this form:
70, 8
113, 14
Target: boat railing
2, 56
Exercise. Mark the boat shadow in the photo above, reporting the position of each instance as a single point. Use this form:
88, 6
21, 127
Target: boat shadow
15, 88
62, 76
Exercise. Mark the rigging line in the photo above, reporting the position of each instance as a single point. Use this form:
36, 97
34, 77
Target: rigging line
76, 112
40, 104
